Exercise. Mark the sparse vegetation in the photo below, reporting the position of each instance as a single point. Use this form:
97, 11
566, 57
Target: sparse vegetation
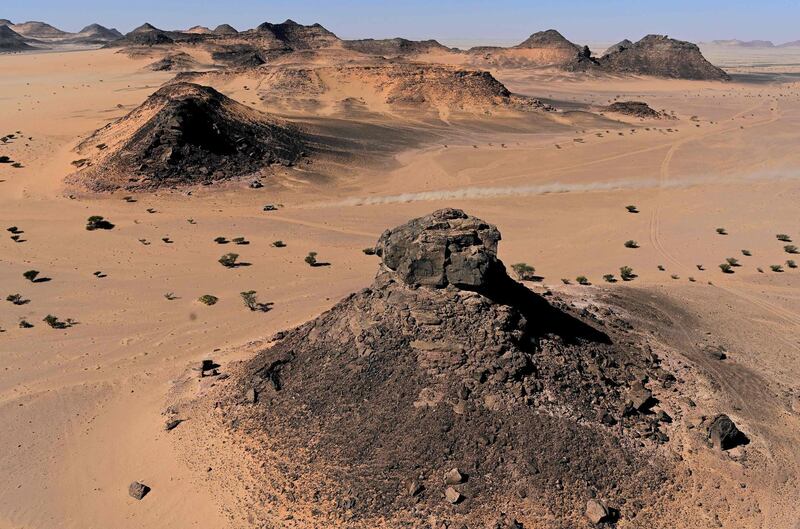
661, 268
25, 324
221, 240
700, 267
31, 275
279, 244
229, 260
790, 248
169, 296
722, 231
17, 299
747, 253
732, 261
675, 276
776, 268
632, 209
240, 241
626, 273
631, 244
791, 264
524, 271
783, 237
250, 299
369, 251
691, 279
96, 222
726, 268
582, 280
565, 281
55, 323
609, 278
311, 258
760, 270
208, 299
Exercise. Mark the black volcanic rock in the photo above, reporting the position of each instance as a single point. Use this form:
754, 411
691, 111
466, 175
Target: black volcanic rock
619, 46
394, 47
638, 109
660, 56
12, 41
299, 37
403, 381
186, 133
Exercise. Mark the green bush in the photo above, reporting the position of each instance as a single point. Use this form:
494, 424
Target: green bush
626, 273
229, 260
726, 268
776, 268
732, 261
96, 222
582, 280
790, 248
208, 299
783, 237
609, 278
524, 271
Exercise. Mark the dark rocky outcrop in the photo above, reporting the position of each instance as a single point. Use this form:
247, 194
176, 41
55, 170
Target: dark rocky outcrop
97, 34
549, 39
183, 134
39, 30
394, 47
444, 363
660, 56
637, 109
173, 62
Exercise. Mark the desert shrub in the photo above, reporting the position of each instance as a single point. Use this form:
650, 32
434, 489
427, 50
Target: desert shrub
25, 324
524, 271
240, 241
675, 276
661, 268
790, 248
221, 240
747, 253
369, 251
208, 299
626, 273
565, 281
279, 244
229, 260
16, 299
54, 322
582, 280
722, 231
691, 279
31, 275
726, 268
732, 261
783, 237
14, 229
700, 267
776, 268
250, 299
632, 209
631, 244
760, 270
311, 258
96, 222
170, 296
609, 278
791, 264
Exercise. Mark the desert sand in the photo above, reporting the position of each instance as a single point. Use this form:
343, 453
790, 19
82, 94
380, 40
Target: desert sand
82, 407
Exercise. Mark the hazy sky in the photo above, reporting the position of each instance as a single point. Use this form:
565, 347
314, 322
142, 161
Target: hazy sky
465, 20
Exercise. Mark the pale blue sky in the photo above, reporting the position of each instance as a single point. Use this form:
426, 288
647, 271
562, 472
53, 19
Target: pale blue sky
469, 20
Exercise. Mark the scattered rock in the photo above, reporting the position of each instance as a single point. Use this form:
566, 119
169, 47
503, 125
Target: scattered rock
723, 433
453, 477
452, 495
138, 490
596, 511
172, 424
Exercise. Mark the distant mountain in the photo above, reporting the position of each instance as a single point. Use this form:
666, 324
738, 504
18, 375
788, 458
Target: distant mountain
39, 30
97, 34
5, 22
660, 56
12, 41
225, 29
550, 39
793, 44
394, 47
298, 36
199, 30
743, 43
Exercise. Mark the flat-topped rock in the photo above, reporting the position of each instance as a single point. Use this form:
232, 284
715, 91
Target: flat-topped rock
447, 247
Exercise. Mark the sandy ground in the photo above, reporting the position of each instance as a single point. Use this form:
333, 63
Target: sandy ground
82, 407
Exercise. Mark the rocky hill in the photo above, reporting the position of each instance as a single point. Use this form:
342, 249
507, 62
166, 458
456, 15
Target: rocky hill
39, 30
545, 49
225, 29
10, 41
184, 134
660, 56
447, 391
297, 36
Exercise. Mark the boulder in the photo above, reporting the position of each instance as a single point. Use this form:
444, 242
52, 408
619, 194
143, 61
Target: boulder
453, 477
138, 490
447, 247
597, 511
723, 433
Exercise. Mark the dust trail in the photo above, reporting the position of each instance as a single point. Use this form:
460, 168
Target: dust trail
468, 193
